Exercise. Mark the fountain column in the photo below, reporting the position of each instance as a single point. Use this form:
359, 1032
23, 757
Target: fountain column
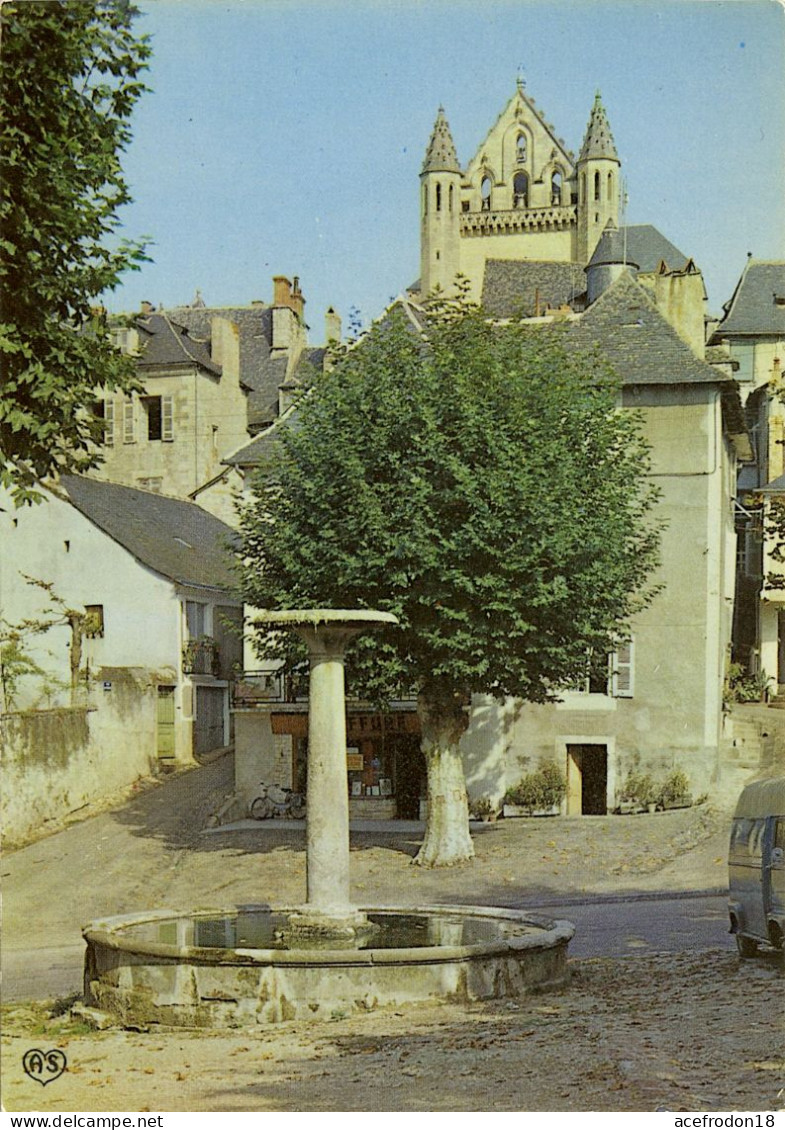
326, 633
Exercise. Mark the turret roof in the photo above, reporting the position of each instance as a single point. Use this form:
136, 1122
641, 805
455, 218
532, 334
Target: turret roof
440, 155
598, 141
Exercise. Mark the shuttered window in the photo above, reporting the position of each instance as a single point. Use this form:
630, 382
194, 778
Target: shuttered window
129, 421
167, 418
622, 670
109, 422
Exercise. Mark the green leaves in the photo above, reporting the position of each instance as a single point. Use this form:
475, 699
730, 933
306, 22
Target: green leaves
69, 79
480, 483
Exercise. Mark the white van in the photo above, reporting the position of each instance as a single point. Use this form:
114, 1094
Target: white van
756, 867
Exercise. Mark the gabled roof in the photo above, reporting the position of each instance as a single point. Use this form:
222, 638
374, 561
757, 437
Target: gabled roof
176, 539
523, 288
639, 342
758, 303
163, 342
261, 373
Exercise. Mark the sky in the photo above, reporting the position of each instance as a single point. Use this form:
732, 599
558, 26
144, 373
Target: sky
287, 136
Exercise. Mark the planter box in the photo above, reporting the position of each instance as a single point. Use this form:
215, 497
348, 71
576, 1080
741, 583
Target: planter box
521, 810
686, 803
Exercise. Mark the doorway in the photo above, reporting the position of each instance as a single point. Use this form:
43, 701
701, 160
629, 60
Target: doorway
165, 724
587, 780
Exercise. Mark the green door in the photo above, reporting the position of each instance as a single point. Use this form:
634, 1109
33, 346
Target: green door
165, 723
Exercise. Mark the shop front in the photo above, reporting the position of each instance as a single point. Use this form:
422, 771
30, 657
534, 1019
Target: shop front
385, 769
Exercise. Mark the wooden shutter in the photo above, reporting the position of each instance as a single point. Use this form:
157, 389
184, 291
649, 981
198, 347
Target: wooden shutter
622, 672
109, 422
129, 421
167, 418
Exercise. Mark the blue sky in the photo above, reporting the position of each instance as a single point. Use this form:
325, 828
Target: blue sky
287, 136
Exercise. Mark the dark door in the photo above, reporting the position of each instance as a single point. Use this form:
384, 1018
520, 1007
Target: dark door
587, 780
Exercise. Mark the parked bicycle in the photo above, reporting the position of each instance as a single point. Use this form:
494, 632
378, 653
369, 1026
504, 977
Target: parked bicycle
277, 802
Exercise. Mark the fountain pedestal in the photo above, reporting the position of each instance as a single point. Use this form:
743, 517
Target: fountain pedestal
327, 632
261, 965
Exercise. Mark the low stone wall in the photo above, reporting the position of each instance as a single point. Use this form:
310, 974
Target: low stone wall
55, 762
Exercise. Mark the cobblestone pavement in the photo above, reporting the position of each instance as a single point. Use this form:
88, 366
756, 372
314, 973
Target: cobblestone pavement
684, 1032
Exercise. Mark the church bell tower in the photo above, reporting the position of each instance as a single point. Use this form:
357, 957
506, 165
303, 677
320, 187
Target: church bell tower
440, 206
598, 182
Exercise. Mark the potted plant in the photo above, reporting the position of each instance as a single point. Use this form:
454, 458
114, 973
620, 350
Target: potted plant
639, 794
675, 792
482, 809
539, 793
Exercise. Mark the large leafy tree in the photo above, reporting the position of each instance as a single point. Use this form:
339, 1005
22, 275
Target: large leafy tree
69, 78
481, 483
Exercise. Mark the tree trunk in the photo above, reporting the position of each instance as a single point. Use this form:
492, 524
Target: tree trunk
447, 840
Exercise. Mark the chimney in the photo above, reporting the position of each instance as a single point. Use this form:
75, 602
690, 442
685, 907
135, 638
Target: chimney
282, 291
147, 308
332, 326
225, 346
298, 302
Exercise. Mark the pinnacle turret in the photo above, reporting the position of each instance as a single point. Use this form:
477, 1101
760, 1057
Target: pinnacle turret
440, 155
598, 141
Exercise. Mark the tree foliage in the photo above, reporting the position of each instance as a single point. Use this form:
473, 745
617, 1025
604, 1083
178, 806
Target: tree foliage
69, 79
480, 483
483, 487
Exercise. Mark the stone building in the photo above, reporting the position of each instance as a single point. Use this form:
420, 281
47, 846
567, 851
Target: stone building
213, 377
752, 335
535, 231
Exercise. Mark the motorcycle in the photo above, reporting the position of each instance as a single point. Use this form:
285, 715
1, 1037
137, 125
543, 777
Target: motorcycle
277, 802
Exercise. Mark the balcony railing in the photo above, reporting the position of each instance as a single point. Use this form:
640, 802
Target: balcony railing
201, 657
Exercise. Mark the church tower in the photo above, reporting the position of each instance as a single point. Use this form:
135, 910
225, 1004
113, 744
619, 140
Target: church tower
440, 206
598, 182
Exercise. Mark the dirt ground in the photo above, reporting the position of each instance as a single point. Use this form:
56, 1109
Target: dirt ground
684, 1032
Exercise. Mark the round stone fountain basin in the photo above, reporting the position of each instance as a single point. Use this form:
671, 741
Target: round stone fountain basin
242, 967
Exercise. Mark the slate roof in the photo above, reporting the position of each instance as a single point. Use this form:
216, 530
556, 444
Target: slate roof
511, 287
613, 248
639, 342
165, 342
260, 373
176, 539
753, 309
648, 247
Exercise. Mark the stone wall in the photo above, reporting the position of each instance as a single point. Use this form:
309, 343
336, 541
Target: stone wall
55, 762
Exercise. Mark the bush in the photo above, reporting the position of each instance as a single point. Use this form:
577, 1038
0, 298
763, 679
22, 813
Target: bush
481, 807
641, 788
740, 686
676, 789
544, 788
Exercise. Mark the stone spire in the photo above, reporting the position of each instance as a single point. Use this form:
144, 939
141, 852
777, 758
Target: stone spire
440, 155
598, 141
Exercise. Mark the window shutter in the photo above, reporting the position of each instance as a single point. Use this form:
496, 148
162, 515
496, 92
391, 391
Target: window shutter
109, 422
129, 421
167, 418
622, 676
